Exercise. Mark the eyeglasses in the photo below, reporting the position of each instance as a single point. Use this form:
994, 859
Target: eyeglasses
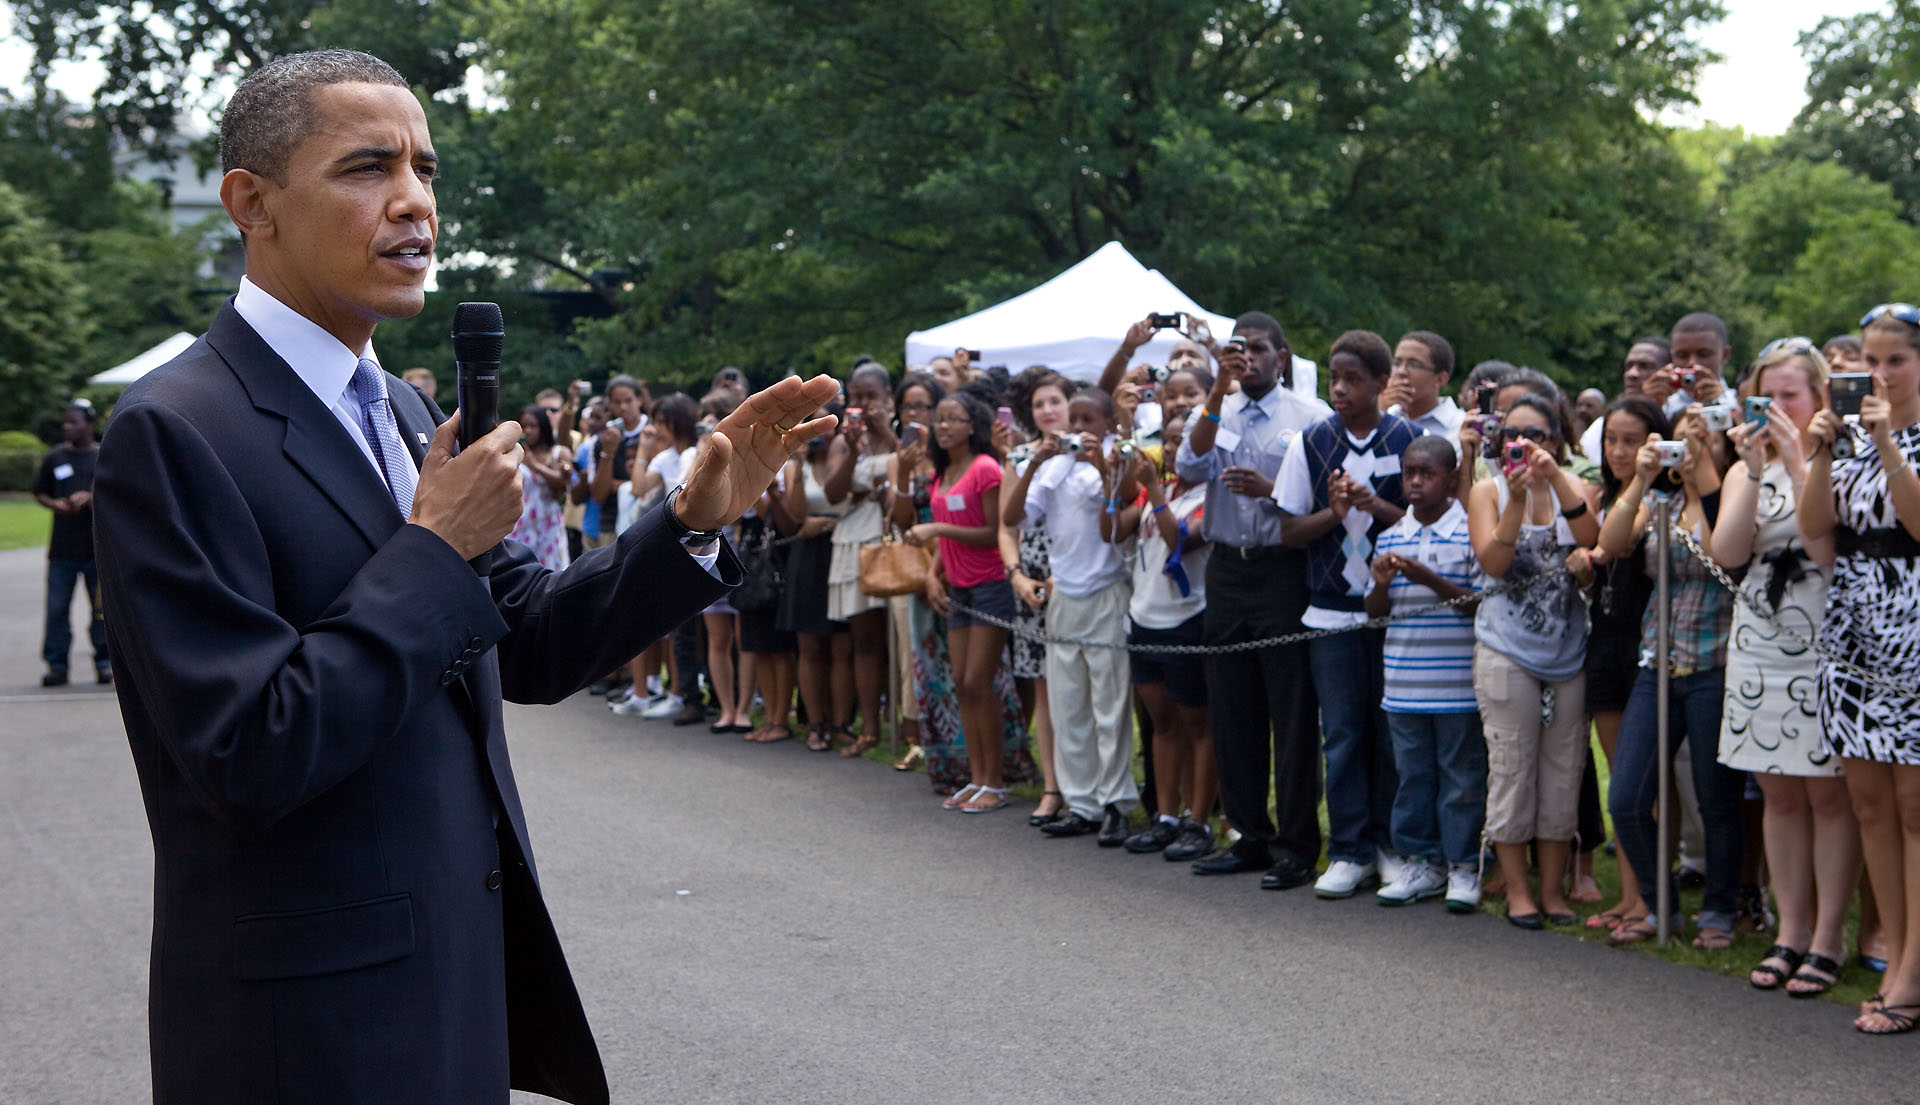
1904, 312
962, 421
1791, 345
1532, 433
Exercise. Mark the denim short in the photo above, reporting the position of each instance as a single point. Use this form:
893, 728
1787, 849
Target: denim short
994, 597
1183, 674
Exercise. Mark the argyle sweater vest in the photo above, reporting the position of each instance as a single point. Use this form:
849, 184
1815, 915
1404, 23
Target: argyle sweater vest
1328, 449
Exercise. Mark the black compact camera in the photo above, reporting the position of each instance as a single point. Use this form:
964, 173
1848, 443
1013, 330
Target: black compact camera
1166, 322
1484, 397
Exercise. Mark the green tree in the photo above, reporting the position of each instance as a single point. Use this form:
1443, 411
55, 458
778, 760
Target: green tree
43, 320
1853, 260
1863, 98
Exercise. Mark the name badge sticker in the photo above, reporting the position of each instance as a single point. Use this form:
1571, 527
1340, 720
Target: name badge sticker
1226, 439
63, 472
956, 502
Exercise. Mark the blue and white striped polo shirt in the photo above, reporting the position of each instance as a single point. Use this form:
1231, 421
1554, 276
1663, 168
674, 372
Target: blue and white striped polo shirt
1429, 657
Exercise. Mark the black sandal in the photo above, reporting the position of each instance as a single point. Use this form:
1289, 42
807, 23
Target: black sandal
1038, 819
1774, 975
1828, 975
818, 740
1901, 1022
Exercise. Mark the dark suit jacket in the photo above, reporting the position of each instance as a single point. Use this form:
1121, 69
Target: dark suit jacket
345, 903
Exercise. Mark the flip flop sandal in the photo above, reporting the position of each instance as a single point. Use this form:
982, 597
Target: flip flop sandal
1633, 932
774, 734
998, 794
1901, 1022
819, 741
1713, 940
1774, 976
1607, 920
1818, 972
959, 797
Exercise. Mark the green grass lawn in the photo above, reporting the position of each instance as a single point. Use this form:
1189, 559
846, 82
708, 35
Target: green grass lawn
23, 523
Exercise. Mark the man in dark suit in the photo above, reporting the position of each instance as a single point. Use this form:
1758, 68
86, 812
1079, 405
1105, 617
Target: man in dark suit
345, 902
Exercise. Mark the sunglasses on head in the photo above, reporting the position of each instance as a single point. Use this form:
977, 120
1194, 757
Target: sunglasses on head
1532, 433
1904, 312
1791, 345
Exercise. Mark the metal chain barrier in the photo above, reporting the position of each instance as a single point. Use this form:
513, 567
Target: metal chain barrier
1264, 642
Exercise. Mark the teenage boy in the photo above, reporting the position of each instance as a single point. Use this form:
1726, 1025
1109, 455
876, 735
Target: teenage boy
1644, 360
1434, 724
1338, 490
1261, 701
1422, 365
1087, 688
64, 485
1697, 365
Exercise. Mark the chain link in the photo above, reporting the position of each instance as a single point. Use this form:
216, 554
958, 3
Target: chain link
1264, 642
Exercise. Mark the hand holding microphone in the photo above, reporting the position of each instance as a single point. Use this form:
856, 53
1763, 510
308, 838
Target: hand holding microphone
472, 500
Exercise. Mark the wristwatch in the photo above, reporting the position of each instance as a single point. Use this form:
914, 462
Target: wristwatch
692, 538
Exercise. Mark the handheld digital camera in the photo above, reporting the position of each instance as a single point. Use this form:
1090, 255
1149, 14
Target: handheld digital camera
1516, 453
1160, 373
1672, 453
1757, 407
1169, 321
1147, 394
1849, 388
1718, 417
1071, 443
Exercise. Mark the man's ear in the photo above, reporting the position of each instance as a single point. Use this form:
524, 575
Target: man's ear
244, 194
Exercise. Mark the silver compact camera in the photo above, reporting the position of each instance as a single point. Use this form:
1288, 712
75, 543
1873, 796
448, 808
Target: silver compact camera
1718, 417
1071, 443
1672, 453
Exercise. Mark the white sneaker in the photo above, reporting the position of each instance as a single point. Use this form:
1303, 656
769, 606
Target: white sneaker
1417, 882
1463, 889
665, 706
631, 706
1392, 867
654, 690
1343, 878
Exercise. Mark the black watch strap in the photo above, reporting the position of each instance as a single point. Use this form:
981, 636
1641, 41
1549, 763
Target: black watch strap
679, 529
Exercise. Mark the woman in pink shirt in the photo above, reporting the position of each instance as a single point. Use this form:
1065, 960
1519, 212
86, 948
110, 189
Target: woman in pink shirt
966, 500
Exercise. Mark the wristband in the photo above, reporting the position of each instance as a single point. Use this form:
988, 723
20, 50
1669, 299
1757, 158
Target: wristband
1159, 508
1574, 511
1209, 416
1112, 505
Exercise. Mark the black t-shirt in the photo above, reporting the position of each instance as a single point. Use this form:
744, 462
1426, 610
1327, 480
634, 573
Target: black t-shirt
63, 472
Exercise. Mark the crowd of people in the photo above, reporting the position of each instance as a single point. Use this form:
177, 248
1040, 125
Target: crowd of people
1413, 609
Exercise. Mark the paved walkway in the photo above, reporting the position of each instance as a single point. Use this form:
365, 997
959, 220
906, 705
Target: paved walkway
768, 925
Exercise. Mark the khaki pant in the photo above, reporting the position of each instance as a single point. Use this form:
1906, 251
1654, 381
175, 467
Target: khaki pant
900, 623
1090, 696
1533, 769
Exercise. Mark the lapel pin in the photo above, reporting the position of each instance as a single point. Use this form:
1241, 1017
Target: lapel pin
422, 437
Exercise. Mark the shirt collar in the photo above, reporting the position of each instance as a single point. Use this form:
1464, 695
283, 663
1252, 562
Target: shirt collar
1449, 524
1268, 404
317, 357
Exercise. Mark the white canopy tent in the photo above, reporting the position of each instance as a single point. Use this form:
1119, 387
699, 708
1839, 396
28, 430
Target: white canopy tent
128, 372
1074, 322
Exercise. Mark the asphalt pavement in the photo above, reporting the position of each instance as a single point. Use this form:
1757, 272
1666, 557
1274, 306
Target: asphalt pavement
764, 924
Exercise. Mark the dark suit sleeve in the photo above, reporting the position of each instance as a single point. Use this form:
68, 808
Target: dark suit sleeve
260, 715
569, 628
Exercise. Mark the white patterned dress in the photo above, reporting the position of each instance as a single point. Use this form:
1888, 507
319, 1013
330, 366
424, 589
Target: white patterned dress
1873, 620
1771, 718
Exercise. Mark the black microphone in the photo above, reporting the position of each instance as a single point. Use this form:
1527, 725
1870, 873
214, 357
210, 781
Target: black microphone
478, 335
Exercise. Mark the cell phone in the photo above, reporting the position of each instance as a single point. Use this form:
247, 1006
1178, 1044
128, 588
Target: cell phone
1004, 416
1166, 322
1757, 406
1238, 341
1848, 389
976, 357
1483, 398
855, 419
909, 434
617, 424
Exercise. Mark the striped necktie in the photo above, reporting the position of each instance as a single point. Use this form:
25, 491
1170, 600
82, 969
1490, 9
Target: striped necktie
376, 424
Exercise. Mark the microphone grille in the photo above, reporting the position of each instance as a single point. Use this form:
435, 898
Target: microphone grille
479, 332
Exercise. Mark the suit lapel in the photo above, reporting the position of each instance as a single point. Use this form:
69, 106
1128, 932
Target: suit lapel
316, 442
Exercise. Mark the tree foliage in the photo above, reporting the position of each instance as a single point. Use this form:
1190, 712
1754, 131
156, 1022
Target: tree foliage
43, 319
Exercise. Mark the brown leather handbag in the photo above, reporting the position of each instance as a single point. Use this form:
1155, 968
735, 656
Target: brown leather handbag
889, 568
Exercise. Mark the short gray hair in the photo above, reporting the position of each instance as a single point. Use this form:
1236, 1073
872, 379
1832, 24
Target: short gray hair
272, 110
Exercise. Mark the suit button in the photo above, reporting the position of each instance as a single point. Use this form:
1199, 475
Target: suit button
493, 880
475, 644
446, 679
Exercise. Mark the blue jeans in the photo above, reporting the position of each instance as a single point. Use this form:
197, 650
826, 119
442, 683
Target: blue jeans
62, 575
1693, 715
1442, 800
1348, 678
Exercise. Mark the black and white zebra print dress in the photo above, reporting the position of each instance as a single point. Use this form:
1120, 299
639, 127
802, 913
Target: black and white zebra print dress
1871, 622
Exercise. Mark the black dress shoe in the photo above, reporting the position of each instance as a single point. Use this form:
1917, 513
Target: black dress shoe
103, 676
1229, 861
1194, 840
54, 679
1529, 921
1153, 838
1285, 874
1113, 827
1070, 825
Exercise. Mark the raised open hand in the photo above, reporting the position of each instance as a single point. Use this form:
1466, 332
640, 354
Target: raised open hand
743, 452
